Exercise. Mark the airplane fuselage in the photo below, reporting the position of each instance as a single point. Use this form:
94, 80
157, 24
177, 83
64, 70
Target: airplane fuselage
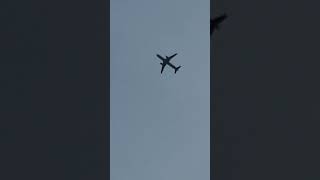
171, 65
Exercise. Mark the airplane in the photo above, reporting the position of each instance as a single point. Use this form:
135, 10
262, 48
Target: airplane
166, 61
214, 24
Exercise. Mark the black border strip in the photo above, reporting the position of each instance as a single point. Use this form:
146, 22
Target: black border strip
54, 100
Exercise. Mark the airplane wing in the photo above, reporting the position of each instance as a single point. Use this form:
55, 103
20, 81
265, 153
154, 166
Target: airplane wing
173, 56
162, 68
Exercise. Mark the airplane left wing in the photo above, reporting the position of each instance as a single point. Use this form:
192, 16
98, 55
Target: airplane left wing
173, 56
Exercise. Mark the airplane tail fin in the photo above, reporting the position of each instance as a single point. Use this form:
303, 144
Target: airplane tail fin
176, 69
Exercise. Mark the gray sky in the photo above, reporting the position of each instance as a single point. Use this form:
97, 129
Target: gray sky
160, 123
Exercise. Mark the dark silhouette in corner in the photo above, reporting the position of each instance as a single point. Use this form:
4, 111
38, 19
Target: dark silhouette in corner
166, 61
214, 24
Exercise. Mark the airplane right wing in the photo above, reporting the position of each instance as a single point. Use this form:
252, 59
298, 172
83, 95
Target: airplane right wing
162, 68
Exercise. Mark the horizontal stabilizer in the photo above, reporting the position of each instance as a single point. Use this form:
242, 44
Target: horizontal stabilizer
176, 69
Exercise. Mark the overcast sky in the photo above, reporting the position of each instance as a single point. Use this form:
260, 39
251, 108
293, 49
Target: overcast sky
160, 123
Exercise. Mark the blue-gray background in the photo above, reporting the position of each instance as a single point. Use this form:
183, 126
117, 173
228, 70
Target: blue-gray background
160, 124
